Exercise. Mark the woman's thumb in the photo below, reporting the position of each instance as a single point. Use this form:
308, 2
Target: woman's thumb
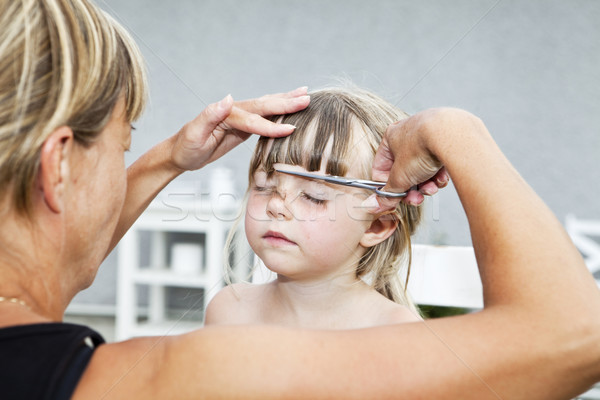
215, 113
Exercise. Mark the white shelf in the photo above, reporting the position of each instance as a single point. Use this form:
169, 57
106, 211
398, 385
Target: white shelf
164, 222
166, 277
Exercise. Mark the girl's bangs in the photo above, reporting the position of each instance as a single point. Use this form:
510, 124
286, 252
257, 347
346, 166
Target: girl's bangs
323, 133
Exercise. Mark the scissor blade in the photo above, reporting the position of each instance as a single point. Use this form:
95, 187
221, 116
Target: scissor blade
334, 178
359, 183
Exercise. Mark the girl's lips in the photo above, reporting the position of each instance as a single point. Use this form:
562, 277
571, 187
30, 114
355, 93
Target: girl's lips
277, 238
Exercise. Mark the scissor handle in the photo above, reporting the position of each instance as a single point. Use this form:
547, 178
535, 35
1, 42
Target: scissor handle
390, 195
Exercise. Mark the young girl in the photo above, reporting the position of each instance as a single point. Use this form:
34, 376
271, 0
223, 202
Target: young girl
337, 266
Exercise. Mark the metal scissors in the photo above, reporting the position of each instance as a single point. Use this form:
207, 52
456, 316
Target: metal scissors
353, 182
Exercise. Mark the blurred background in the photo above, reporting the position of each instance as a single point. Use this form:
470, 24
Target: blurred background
529, 69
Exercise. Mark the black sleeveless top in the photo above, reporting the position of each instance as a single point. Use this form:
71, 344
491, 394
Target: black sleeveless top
44, 361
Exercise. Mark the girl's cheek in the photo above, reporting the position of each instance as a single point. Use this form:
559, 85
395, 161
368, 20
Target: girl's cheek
255, 210
315, 213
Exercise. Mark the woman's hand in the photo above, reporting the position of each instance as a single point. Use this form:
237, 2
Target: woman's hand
406, 161
224, 125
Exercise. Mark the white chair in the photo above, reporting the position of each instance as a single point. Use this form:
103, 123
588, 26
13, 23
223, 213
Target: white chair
592, 394
581, 232
445, 276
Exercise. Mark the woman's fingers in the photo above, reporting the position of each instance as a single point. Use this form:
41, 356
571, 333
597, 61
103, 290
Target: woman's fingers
213, 115
275, 104
223, 125
382, 162
403, 161
441, 178
428, 188
247, 115
248, 122
438, 181
196, 142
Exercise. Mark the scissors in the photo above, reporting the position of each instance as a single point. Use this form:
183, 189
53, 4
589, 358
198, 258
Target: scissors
353, 182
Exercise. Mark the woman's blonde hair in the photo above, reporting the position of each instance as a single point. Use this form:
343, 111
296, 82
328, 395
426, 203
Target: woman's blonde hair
62, 63
332, 116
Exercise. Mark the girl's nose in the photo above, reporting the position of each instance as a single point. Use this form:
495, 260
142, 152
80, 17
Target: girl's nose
277, 207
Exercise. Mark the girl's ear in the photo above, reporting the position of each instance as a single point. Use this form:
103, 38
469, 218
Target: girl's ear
381, 228
54, 167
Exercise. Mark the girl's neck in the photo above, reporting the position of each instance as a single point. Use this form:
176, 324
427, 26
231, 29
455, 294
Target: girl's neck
318, 303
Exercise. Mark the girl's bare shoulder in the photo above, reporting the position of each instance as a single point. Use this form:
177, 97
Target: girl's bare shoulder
234, 304
400, 314
390, 312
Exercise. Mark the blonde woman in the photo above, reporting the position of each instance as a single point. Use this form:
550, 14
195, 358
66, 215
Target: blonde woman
71, 84
337, 265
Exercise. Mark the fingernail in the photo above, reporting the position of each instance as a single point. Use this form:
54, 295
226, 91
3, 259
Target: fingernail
302, 99
430, 191
289, 126
370, 203
443, 180
223, 104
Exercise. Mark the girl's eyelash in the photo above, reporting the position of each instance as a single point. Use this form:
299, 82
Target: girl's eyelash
313, 199
258, 188
304, 195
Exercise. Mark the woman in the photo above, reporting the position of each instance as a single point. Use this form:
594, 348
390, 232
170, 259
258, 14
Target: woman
71, 82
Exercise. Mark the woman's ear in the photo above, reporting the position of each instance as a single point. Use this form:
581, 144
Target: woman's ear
381, 228
54, 167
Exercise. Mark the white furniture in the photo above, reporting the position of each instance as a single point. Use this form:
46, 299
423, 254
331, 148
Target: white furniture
207, 225
581, 232
445, 276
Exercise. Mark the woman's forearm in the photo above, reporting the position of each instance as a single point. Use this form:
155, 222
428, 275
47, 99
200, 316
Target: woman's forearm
542, 307
532, 274
146, 177
524, 254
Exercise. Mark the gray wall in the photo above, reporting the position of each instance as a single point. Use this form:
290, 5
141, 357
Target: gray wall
529, 69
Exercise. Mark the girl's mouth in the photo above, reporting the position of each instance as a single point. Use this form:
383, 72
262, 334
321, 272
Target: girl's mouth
276, 238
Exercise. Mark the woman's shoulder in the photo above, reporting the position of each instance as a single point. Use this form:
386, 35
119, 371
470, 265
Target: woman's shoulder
234, 304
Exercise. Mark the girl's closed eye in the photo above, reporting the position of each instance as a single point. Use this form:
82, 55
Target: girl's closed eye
262, 183
316, 199
259, 188
267, 188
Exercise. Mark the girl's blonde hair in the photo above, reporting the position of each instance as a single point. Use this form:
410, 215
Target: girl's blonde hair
62, 63
333, 115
